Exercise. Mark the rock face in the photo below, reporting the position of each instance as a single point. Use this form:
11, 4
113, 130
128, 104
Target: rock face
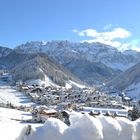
91, 62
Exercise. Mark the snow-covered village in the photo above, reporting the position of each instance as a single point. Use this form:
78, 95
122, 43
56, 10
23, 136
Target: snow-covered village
32, 111
69, 70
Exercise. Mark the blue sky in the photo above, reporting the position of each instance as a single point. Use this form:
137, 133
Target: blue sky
116, 22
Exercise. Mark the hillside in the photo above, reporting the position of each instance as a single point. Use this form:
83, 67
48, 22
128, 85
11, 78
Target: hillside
39, 66
91, 72
127, 78
128, 81
4, 51
13, 58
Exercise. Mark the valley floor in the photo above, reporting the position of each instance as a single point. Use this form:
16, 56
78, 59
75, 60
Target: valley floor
9, 95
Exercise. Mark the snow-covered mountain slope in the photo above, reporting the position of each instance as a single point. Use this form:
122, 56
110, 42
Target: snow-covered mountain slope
128, 80
64, 50
91, 62
91, 72
14, 58
131, 54
41, 67
4, 51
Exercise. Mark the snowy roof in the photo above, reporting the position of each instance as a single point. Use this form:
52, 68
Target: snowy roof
123, 112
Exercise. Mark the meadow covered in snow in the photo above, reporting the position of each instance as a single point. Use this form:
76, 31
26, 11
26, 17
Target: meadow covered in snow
10, 95
10, 123
84, 127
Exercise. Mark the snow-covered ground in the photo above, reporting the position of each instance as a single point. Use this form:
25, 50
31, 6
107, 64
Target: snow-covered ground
10, 125
84, 127
48, 82
13, 114
10, 95
71, 84
10, 128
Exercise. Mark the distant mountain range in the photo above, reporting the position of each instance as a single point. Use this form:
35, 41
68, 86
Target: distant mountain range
64, 51
93, 63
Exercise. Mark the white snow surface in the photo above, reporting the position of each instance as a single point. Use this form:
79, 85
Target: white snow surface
85, 127
10, 95
10, 128
45, 82
71, 84
12, 114
136, 135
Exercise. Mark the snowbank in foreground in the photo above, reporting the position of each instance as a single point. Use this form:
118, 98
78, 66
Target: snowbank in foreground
85, 127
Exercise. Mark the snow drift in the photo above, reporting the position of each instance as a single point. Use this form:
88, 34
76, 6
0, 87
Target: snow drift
84, 127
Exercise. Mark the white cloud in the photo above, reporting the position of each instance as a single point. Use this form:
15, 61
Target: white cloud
133, 45
114, 34
111, 37
136, 48
108, 37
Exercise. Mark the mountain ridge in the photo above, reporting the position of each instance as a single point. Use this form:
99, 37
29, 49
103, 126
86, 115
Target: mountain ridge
93, 63
95, 55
